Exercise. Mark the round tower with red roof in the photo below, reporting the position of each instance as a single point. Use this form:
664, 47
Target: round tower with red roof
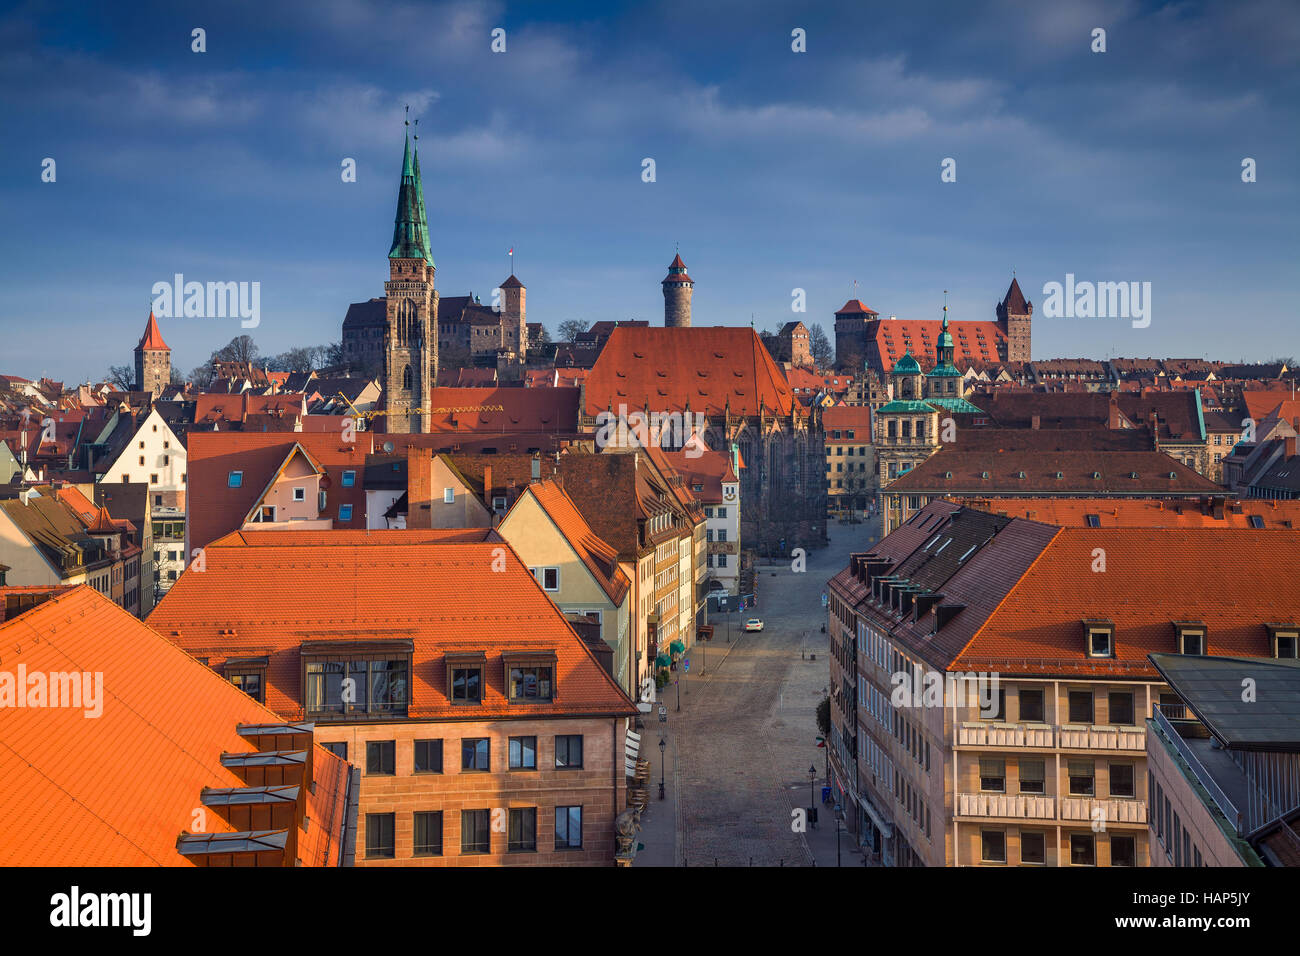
678, 288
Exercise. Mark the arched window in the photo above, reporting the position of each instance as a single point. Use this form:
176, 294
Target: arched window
406, 378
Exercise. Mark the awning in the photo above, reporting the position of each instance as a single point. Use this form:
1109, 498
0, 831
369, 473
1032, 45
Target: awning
631, 749
663, 660
677, 647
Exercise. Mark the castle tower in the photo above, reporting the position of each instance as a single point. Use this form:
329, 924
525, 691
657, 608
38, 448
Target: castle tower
411, 333
1014, 316
153, 360
678, 289
514, 322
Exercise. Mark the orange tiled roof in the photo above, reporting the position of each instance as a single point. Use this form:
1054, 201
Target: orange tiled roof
703, 368
1262, 404
117, 790
499, 411
1227, 579
1141, 512
266, 595
972, 341
600, 558
152, 338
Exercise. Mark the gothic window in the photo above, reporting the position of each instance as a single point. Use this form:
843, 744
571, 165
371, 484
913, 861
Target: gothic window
406, 378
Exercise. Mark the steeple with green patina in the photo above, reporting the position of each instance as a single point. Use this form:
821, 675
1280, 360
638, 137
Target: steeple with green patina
410, 227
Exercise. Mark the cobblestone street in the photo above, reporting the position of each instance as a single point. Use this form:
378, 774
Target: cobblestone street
740, 748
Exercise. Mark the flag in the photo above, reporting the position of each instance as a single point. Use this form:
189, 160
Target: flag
511, 252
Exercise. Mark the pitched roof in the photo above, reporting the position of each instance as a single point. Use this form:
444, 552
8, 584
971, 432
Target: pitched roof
1014, 301
119, 789
972, 341
1142, 512
512, 283
855, 307
704, 368
444, 596
600, 558
1226, 579
503, 411
152, 338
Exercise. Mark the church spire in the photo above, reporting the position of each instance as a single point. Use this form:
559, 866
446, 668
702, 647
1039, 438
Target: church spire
410, 231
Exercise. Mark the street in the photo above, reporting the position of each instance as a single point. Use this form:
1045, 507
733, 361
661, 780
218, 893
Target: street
738, 754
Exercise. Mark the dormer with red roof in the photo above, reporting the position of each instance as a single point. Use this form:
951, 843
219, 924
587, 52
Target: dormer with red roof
153, 360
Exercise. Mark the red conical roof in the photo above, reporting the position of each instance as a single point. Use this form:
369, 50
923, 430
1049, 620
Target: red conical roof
103, 523
1014, 300
152, 338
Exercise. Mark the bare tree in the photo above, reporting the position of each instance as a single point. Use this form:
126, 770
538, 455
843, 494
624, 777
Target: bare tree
123, 376
570, 329
823, 355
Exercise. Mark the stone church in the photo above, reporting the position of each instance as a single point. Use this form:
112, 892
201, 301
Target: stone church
401, 337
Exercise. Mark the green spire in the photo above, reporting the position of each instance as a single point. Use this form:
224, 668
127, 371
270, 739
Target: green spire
419, 195
410, 231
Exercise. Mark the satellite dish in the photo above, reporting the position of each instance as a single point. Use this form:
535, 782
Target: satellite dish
388, 447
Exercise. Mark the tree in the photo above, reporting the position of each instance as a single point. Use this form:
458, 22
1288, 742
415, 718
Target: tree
823, 355
241, 348
202, 376
824, 717
570, 329
123, 376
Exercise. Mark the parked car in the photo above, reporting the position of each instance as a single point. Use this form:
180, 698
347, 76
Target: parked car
753, 624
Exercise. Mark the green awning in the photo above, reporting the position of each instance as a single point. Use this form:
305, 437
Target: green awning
677, 647
663, 660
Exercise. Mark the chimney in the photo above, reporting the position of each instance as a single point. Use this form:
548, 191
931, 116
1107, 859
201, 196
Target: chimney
1112, 420
1288, 446
419, 487
487, 487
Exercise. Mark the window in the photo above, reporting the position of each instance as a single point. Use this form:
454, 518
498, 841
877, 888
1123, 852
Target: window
998, 706
530, 683
474, 834
1033, 847
1121, 708
449, 496
568, 828
523, 753
1099, 643
1121, 780
1032, 776
249, 681
350, 480
381, 757
338, 748
376, 686
568, 752
345, 512
235, 479
428, 833
428, 756
475, 754
1031, 705
300, 494
1191, 641
142, 459
1083, 851
1123, 851
993, 775
522, 835
1080, 706
993, 846
1081, 773
153, 479
549, 578
380, 844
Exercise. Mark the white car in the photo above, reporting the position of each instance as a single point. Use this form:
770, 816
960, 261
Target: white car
753, 624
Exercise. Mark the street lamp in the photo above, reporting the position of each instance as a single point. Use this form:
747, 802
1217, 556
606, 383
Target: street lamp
838, 819
662, 745
812, 778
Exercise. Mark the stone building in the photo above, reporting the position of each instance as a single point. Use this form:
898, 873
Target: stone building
678, 289
153, 360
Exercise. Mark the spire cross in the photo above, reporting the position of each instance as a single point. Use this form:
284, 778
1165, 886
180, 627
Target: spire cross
407, 121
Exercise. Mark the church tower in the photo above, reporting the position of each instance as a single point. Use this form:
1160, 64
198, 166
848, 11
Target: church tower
411, 332
153, 360
678, 289
1015, 315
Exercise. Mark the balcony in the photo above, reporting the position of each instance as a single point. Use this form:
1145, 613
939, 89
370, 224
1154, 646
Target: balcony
996, 734
1021, 806
1082, 737
1117, 809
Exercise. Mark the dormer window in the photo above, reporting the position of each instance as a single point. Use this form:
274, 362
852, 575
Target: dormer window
1099, 638
1191, 637
465, 678
1285, 640
530, 678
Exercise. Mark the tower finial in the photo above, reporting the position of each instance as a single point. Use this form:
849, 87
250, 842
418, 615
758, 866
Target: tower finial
407, 121
416, 134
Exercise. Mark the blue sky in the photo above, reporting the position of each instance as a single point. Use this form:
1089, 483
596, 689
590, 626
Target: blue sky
775, 170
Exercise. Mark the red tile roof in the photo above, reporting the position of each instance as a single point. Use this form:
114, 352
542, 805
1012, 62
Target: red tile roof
502, 411
1141, 512
972, 341
855, 306
600, 558
214, 508
152, 338
703, 368
118, 789
268, 596
1227, 579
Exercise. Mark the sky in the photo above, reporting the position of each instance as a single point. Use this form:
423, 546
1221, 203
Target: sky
774, 170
